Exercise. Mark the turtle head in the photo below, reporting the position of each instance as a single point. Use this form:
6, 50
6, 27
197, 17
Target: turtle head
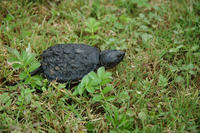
110, 58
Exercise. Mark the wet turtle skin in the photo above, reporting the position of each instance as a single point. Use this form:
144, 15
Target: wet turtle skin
69, 62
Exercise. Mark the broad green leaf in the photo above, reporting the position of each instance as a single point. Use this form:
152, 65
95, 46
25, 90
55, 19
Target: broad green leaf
97, 98
28, 80
17, 66
85, 80
37, 77
44, 89
23, 56
38, 82
13, 59
106, 78
14, 52
75, 93
105, 81
23, 75
95, 82
92, 75
94, 79
60, 86
163, 82
101, 72
28, 58
92, 25
90, 89
110, 98
34, 66
28, 49
107, 89
80, 89
107, 75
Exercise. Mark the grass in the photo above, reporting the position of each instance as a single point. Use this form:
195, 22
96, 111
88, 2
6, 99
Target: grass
155, 89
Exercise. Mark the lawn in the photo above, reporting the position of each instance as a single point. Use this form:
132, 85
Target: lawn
155, 89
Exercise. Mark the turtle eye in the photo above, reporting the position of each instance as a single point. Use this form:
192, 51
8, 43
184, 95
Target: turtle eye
121, 54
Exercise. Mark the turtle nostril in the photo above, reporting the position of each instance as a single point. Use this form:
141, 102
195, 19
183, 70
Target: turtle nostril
122, 54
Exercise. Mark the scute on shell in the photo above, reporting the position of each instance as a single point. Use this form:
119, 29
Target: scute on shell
69, 62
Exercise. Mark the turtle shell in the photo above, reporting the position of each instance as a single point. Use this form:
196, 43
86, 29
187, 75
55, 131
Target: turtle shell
69, 62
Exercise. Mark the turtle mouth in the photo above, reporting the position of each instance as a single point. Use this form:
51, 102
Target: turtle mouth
121, 56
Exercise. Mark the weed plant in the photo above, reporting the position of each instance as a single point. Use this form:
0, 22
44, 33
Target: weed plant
155, 89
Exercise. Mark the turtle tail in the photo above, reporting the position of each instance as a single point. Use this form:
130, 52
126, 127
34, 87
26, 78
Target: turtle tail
36, 71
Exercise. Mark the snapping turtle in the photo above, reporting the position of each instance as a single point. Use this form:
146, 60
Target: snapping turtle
71, 62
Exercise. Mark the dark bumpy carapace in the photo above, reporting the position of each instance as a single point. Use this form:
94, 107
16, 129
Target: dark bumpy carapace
70, 62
